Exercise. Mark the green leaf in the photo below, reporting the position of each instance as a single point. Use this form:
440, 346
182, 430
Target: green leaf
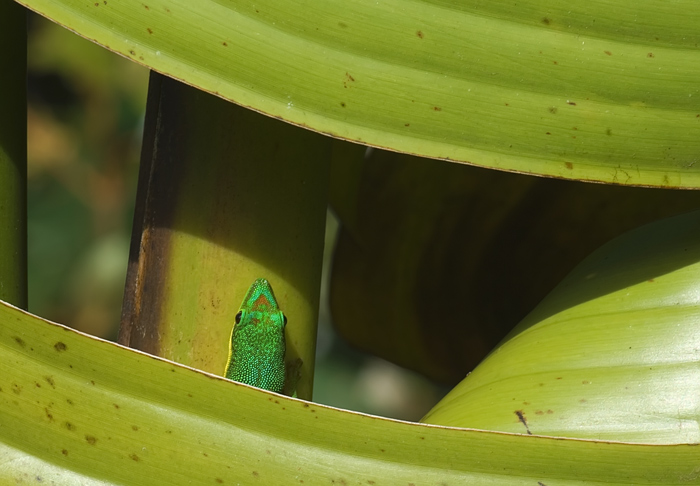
610, 354
436, 262
603, 92
75, 409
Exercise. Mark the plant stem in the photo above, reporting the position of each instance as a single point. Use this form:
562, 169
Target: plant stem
13, 153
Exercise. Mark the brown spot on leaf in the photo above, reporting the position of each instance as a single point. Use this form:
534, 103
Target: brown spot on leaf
437, 108
342, 103
134, 457
521, 417
60, 347
650, 54
571, 103
69, 426
20, 341
608, 53
546, 21
553, 110
16, 388
48, 414
91, 439
420, 34
569, 166
224, 44
49, 380
342, 25
150, 31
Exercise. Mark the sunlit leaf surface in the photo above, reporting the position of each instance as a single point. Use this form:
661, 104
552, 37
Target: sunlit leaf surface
611, 353
603, 91
77, 410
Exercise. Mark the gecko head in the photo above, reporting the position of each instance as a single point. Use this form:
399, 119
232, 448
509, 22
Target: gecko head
260, 305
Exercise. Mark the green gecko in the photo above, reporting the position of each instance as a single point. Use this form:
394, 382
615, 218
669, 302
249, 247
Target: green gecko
256, 354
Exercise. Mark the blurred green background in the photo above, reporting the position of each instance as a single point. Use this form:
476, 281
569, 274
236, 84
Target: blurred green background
85, 119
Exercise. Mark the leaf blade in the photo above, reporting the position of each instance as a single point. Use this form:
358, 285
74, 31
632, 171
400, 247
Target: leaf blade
610, 353
537, 89
87, 407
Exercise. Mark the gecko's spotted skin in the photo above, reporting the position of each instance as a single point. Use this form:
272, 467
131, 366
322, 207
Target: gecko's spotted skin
256, 356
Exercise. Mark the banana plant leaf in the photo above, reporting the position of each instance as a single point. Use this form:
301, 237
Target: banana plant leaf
78, 410
611, 353
437, 262
603, 91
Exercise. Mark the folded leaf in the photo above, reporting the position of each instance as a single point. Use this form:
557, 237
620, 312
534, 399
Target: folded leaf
78, 410
611, 353
603, 91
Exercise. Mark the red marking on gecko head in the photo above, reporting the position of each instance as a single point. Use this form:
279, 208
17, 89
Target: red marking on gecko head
261, 302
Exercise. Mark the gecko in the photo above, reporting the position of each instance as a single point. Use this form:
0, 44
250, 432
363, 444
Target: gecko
257, 346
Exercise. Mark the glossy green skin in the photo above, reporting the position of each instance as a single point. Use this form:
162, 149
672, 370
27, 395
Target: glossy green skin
256, 356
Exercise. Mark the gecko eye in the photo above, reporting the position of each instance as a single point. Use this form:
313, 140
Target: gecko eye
238, 317
285, 319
